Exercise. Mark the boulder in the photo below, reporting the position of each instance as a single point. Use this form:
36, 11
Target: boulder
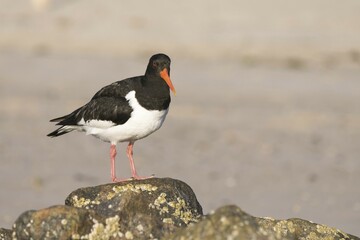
146, 209
58, 222
154, 209
230, 222
5, 234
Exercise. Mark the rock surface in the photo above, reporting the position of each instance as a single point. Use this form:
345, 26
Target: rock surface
154, 209
57, 222
145, 209
5, 234
230, 222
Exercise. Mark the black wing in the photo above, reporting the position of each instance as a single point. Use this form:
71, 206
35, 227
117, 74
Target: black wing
116, 110
119, 89
108, 104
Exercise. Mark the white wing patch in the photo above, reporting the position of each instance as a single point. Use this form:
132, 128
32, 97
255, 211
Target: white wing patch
96, 123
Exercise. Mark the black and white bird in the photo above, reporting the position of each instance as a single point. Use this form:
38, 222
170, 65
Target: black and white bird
124, 111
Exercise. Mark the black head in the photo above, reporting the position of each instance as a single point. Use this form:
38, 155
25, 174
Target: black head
157, 63
159, 66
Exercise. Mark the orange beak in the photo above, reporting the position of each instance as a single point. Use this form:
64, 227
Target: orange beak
164, 75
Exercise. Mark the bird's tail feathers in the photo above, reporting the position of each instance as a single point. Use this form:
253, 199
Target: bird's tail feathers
61, 131
59, 119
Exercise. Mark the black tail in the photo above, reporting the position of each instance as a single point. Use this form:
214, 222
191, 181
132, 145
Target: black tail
60, 131
68, 123
59, 119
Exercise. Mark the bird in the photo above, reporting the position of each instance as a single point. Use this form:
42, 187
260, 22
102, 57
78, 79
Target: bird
124, 111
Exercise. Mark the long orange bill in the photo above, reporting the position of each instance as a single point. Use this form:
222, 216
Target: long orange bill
164, 75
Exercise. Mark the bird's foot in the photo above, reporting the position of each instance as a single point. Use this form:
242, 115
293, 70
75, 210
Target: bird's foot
136, 177
115, 179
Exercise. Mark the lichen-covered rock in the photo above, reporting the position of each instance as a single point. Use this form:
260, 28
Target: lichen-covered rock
295, 228
230, 222
5, 234
155, 209
64, 222
147, 209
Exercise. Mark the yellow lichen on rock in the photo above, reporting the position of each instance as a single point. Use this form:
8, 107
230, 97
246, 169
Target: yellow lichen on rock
80, 202
140, 228
168, 220
329, 230
110, 195
224, 220
100, 231
281, 229
160, 200
83, 202
129, 235
312, 236
135, 188
291, 227
179, 208
64, 221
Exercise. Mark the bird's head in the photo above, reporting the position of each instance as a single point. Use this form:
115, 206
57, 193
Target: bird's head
159, 65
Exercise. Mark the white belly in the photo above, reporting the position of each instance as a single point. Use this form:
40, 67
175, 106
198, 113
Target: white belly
142, 123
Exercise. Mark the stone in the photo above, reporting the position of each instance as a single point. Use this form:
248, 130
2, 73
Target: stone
230, 222
295, 228
147, 209
57, 222
5, 234
155, 209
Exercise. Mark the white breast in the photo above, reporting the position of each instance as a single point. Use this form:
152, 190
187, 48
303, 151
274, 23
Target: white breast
141, 123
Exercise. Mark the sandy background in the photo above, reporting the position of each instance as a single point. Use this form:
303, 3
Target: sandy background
267, 114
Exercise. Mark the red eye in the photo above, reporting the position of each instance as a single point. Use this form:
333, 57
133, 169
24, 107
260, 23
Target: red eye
155, 64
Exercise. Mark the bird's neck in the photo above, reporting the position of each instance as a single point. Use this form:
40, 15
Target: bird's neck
155, 84
154, 93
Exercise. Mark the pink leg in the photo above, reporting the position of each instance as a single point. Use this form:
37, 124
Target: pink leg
129, 152
112, 158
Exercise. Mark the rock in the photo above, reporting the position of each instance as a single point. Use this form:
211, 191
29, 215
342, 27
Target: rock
155, 209
230, 222
146, 209
58, 222
5, 234
295, 228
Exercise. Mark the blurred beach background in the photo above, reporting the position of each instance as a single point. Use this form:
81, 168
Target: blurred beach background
267, 112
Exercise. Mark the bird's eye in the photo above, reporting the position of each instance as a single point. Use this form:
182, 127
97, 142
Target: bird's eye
155, 64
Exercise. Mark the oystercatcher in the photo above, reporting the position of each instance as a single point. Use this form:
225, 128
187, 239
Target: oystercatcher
124, 111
